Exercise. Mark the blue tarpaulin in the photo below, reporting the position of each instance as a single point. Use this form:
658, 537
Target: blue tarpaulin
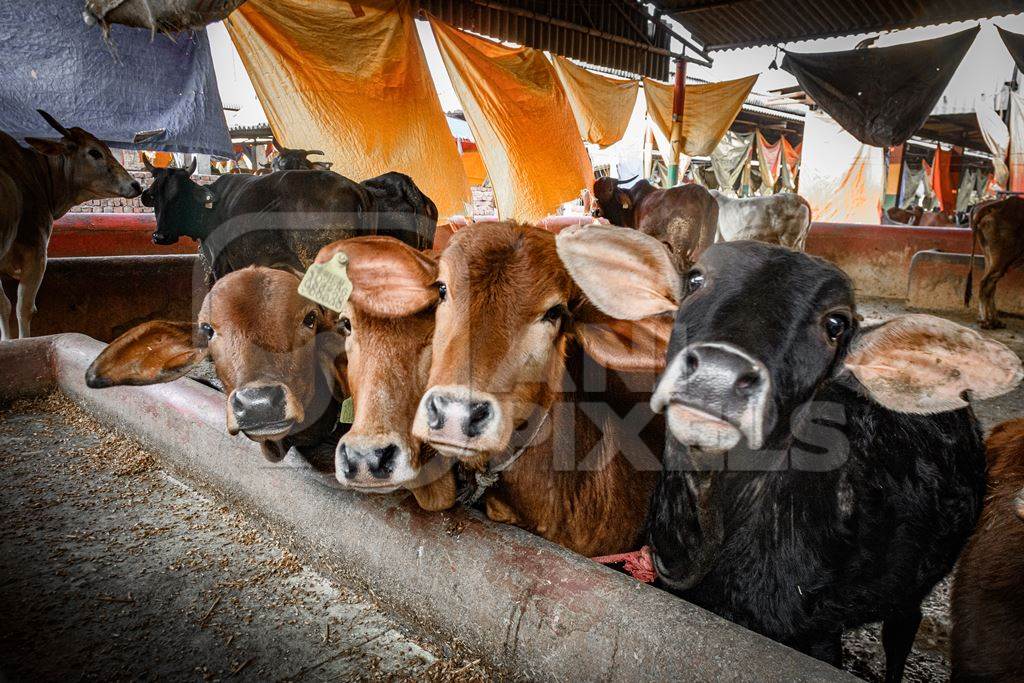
50, 59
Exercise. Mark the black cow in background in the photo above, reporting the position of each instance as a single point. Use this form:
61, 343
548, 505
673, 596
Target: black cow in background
281, 219
817, 475
403, 211
298, 160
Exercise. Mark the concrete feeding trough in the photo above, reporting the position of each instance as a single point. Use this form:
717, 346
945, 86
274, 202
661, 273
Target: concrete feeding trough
528, 607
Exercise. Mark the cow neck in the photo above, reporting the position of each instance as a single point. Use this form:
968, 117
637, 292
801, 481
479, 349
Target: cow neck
57, 182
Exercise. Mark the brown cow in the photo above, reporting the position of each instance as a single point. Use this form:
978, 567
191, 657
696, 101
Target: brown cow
388, 324
517, 385
918, 216
987, 602
999, 226
685, 218
276, 354
37, 186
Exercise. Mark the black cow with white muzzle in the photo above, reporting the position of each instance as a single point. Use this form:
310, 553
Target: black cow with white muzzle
818, 474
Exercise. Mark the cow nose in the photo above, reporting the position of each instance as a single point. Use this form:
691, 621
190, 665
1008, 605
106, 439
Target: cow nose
720, 372
260, 410
136, 188
377, 461
470, 417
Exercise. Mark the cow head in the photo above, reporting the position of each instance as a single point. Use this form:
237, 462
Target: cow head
179, 203
388, 325
270, 347
297, 160
614, 202
92, 171
509, 315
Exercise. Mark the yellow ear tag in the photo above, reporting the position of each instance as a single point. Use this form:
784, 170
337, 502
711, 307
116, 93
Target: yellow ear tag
327, 283
348, 412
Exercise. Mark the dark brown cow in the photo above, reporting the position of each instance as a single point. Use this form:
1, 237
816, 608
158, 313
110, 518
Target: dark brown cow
276, 354
918, 216
988, 589
37, 186
684, 218
388, 324
999, 226
520, 385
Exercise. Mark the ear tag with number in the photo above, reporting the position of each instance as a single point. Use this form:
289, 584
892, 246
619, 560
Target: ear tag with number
328, 283
348, 412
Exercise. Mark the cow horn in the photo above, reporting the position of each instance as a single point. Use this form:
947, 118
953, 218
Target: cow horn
622, 181
54, 124
194, 165
147, 163
314, 151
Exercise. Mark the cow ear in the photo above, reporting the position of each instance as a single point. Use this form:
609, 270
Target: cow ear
624, 345
51, 148
923, 364
624, 200
150, 353
625, 273
389, 278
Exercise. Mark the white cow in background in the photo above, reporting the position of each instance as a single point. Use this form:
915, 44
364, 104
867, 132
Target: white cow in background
783, 218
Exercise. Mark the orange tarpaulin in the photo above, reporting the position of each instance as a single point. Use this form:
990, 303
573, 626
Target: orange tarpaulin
521, 120
352, 80
942, 180
476, 172
769, 161
602, 105
841, 177
709, 110
1016, 157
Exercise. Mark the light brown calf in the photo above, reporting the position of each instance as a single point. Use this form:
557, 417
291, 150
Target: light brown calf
276, 354
388, 324
525, 381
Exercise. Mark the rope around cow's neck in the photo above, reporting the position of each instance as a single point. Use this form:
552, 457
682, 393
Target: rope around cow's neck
492, 472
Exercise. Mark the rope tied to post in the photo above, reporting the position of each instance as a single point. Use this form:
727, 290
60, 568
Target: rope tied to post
637, 564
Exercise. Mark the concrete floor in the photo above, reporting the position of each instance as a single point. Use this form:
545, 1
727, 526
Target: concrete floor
111, 569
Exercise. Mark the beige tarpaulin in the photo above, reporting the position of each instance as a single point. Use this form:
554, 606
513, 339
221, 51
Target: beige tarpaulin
841, 177
997, 138
709, 110
521, 121
602, 105
730, 158
1016, 156
351, 79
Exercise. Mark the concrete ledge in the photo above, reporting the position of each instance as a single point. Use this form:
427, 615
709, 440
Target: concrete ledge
534, 609
937, 281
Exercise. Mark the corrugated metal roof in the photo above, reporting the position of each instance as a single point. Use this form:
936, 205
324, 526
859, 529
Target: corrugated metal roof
615, 34
727, 24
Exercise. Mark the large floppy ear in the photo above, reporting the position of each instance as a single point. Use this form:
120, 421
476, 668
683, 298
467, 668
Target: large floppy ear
631, 288
624, 200
625, 273
151, 353
389, 278
923, 364
51, 148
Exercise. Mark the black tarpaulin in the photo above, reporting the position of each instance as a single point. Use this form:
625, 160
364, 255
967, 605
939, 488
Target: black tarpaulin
1014, 42
882, 95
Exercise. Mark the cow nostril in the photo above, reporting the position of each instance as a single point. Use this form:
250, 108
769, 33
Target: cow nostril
479, 415
692, 361
344, 465
435, 412
747, 383
385, 464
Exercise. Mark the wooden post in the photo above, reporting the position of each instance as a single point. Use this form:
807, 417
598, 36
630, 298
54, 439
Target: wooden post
648, 151
894, 178
678, 106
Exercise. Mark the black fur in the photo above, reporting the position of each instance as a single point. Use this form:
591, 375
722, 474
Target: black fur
850, 513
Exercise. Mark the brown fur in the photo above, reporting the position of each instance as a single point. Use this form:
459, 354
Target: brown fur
38, 186
999, 227
988, 588
573, 484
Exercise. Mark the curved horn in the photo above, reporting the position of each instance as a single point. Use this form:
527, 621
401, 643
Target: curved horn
147, 163
622, 181
318, 152
54, 124
194, 165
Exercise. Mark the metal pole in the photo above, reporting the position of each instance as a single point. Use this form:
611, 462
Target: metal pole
678, 106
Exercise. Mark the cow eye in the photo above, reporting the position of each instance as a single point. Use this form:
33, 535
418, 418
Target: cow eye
836, 324
694, 281
95, 154
555, 313
345, 326
442, 291
207, 330
310, 320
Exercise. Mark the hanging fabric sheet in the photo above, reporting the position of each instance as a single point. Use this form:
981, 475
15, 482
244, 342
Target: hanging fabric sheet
769, 162
942, 178
708, 111
52, 60
602, 105
882, 95
790, 164
841, 178
1016, 156
521, 120
1014, 43
966, 194
729, 159
351, 79
997, 138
